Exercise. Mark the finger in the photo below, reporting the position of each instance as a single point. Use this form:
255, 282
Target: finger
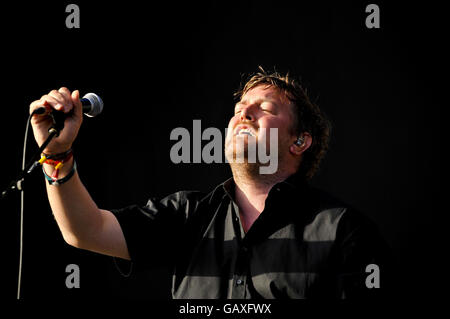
78, 108
56, 100
52, 102
60, 98
65, 92
40, 103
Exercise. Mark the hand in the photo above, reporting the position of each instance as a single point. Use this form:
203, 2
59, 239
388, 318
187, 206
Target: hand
61, 100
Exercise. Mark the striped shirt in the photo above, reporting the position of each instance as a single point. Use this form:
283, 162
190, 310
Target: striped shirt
305, 244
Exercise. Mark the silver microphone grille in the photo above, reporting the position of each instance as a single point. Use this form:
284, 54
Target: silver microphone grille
96, 102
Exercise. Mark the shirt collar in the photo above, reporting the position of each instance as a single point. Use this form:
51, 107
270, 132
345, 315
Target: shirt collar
292, 183
228, 187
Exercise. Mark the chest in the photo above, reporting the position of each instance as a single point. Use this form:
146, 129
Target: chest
271, 260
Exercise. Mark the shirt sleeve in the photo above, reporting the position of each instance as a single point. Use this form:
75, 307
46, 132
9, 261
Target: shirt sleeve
153, 231
365, 263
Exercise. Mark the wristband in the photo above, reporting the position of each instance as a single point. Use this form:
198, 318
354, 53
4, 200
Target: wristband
55, 162
56, 182
60, 156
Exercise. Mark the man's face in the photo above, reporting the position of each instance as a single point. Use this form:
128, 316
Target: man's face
260, 109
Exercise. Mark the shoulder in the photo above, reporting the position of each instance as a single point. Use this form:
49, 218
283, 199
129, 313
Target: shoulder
356, 237
186, 201
180, 198
337, 219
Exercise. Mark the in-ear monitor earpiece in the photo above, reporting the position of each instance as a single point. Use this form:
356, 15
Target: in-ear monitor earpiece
299, 141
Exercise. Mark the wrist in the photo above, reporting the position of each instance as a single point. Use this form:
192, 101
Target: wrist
58, 168
60, 149
57, 179
63, 170
61, 156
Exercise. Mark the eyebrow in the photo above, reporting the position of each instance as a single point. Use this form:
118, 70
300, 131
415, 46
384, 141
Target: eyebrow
260, 100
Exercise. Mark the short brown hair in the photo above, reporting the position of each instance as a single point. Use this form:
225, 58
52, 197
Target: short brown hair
308, 117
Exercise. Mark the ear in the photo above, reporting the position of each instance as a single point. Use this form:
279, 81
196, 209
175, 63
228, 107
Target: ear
296, 149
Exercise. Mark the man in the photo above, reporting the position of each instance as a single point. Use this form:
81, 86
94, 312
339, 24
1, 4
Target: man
254, 236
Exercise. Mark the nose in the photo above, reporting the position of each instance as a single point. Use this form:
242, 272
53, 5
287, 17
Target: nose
247, 114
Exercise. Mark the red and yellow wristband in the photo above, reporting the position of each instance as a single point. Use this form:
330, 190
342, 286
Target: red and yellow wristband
57, 161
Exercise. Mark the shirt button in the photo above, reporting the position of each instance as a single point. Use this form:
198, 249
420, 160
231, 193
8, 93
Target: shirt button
239, 282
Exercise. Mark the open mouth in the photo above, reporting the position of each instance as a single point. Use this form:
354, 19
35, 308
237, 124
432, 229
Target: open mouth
243, 130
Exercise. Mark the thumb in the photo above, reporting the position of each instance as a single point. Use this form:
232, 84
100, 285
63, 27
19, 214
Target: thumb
78, 108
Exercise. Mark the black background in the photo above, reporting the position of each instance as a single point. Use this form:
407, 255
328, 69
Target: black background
159, 66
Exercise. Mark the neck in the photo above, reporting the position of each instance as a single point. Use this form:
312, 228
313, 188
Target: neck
251, 192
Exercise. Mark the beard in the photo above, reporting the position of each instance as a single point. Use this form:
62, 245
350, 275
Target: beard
242, 155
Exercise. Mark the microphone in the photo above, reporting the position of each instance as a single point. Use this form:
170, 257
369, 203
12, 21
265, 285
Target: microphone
91, 102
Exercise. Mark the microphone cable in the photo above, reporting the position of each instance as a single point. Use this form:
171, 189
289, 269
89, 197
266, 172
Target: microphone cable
96, 107
22, 202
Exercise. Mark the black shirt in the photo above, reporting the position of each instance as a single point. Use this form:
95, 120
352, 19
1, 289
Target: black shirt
305, 244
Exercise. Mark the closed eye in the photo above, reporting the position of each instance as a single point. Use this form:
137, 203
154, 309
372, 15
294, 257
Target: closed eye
267, 107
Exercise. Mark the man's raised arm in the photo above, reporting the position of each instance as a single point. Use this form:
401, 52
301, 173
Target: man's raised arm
82, 223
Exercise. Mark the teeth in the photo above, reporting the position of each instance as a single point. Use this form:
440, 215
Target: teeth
246, 132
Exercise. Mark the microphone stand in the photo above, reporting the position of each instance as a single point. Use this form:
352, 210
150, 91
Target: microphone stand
58, 124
